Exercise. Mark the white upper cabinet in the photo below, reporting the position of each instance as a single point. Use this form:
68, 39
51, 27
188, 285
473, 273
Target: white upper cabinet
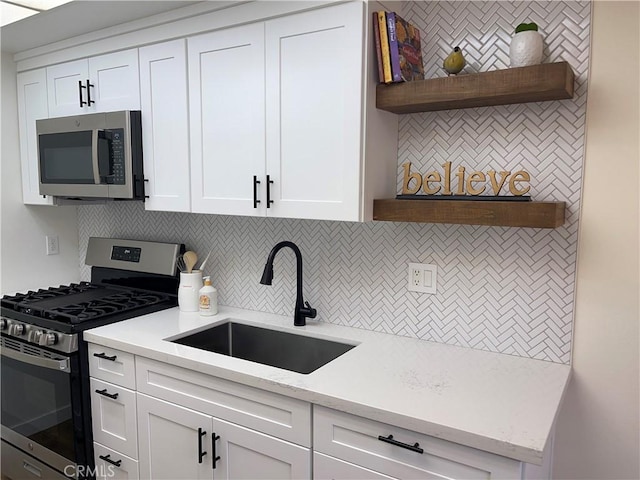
314, 86
271, 113
227, 103
98, 84
32, 106
279, 112
165, 126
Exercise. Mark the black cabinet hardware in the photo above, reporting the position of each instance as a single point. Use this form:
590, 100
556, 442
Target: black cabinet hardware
89, 87
105, 356
201, 433
80, 87
269, 183
107, 458
214, 437
104, 392
256, 182
414, 448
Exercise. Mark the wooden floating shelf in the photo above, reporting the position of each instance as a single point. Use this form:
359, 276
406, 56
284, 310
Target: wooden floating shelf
536, 83
471, 212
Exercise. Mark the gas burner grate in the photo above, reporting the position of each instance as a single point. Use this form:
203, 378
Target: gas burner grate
76, 303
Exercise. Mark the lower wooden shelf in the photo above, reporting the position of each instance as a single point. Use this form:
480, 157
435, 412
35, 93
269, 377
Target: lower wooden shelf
471, 212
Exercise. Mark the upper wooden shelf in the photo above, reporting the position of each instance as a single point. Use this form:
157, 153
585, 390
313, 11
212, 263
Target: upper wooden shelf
536, 83
471, 212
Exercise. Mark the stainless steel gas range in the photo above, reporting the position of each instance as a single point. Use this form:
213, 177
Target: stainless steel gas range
46, 415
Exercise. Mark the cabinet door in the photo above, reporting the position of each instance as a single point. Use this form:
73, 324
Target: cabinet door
63, 89
165, 126
170, 441
114, 84
32, 105
330, 468
226, 86
112, 465
115, 80
113, 417
314, 112
249, 455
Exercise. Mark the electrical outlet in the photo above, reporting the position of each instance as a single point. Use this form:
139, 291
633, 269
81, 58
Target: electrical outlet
53, 245
422, 277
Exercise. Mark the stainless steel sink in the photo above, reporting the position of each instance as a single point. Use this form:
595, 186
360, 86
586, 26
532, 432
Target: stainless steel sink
298, 353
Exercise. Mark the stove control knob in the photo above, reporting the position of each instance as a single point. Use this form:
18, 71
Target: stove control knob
47, 339
3, 323
16, 329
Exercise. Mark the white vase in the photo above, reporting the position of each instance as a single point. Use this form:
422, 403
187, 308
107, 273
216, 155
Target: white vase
526, 49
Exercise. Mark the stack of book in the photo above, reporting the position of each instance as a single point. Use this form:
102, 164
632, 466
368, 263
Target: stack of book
398, 48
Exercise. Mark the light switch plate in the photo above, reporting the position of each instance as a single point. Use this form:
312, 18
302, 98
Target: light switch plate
423, 278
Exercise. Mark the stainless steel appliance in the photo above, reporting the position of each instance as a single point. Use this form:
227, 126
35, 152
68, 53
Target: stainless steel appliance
46, 416
92, 156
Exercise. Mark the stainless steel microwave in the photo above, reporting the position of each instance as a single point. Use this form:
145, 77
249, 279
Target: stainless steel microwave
93, 156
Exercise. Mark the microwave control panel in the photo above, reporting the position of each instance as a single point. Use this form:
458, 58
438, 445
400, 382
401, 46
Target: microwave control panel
118, 154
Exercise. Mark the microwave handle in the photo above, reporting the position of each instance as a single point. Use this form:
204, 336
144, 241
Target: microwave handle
94, 156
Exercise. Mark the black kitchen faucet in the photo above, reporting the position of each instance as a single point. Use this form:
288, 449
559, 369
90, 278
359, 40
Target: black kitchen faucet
301, 311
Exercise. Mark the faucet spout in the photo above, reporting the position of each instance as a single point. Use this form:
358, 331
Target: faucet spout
302, 309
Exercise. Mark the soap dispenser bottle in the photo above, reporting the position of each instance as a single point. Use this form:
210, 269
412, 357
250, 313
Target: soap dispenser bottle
208, 298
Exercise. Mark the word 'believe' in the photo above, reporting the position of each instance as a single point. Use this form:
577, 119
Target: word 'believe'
432, 182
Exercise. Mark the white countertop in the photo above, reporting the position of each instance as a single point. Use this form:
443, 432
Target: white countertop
498, 403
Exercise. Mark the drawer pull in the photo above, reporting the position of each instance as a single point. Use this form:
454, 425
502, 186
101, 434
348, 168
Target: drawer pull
414, 448
104, 392
214, 437
201, 433
105, 356
107, 458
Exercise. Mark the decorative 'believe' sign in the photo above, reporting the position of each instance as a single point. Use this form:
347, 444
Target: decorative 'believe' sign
473, 184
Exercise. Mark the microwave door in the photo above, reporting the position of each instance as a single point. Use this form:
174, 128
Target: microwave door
67, 165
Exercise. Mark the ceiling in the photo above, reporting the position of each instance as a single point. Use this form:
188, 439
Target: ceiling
62, 22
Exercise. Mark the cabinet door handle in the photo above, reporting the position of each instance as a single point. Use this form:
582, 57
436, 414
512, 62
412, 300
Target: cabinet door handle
269, 183
214, 437
107, 458
201, 433
414, 448
256, 182
104, 392
105, 356
80, 87
89, 87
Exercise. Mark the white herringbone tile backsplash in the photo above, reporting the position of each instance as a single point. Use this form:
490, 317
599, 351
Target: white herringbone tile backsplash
508, 290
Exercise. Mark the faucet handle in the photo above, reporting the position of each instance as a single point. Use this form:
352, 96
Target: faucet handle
309, 312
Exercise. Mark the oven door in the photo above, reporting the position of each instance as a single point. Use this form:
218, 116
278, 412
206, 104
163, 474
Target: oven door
37, 403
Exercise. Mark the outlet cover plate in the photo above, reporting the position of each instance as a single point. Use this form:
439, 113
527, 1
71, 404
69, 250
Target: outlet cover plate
422, 278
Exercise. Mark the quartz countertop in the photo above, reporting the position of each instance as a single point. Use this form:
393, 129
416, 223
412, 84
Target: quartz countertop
498, 403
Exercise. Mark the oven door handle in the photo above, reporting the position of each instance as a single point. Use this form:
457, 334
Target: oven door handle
59, 365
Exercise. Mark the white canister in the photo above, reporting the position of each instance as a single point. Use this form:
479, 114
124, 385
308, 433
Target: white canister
525, 49
190, 285
208, 299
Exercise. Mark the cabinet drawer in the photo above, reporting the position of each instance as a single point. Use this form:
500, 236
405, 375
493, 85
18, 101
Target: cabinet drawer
113, 465
110, 365
266, 412
113, 416
355, 439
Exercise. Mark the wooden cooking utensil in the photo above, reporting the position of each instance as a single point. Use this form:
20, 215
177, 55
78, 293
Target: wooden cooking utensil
190, 259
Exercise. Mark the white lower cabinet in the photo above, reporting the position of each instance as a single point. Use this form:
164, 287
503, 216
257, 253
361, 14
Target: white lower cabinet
355, 442
180, 443
184, 424
113, 413
331, 468
113, 465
